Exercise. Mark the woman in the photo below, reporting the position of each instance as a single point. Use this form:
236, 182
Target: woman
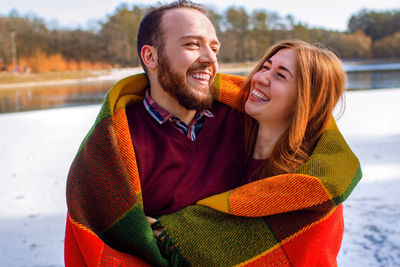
290, 94
300, 170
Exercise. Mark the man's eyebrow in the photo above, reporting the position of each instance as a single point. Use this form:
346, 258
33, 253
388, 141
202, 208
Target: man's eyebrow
281, 67
214, 41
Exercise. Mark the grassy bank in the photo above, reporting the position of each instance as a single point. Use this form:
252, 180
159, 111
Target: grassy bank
11, 78
7, 77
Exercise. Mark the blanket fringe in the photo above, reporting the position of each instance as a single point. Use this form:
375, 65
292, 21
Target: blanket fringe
167, 247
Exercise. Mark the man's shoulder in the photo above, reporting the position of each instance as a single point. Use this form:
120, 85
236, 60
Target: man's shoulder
224, 113
137, 107
135, 111
219, 107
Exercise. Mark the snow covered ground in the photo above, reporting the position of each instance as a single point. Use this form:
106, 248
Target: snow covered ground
371, 125
37, 148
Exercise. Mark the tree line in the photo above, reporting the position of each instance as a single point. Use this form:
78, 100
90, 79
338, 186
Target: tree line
27, 40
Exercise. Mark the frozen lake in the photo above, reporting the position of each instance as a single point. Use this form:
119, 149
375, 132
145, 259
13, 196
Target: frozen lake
361, 76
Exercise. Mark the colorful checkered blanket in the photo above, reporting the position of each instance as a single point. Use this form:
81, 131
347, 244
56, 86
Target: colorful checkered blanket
286, 220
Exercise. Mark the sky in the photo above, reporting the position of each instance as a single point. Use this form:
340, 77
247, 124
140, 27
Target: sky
333, 15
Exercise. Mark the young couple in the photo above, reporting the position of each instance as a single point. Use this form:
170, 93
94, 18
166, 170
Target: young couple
237, 171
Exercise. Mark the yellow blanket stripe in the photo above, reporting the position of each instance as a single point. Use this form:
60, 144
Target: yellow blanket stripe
283, 193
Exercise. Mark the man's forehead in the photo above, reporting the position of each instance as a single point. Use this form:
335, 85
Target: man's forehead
183, 12
186, 21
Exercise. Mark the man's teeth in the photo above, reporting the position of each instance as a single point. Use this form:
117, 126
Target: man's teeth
201, 76
259, 95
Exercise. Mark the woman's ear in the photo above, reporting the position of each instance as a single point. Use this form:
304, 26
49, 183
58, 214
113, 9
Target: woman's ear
149, 56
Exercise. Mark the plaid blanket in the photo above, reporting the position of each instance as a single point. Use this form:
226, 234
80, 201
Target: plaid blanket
293, 219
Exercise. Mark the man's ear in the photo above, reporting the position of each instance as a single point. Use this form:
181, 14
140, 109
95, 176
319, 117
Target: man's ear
149, 56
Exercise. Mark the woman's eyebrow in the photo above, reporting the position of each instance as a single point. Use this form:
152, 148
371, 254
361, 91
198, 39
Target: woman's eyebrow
281, 67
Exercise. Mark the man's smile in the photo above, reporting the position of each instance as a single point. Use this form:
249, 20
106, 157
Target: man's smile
202, 77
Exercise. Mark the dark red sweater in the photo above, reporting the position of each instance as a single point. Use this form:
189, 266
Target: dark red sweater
176, 172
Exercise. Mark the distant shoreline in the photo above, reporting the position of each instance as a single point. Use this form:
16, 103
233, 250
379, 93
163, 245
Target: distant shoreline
105, 75
111, 75
43, 79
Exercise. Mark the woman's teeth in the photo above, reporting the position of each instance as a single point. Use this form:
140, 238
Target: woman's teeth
259, 95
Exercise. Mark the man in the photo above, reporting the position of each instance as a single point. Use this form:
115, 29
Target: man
184, 143
158, 155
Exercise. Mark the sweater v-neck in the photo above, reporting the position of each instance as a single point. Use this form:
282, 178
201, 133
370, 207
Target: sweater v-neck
181, 137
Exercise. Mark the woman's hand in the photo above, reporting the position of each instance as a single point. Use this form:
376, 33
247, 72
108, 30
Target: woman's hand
156, 232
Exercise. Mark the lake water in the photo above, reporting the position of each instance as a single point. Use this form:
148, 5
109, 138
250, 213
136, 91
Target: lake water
372, 75
360, 76
52, 96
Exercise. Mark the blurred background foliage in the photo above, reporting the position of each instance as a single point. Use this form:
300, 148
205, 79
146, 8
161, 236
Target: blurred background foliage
28, 42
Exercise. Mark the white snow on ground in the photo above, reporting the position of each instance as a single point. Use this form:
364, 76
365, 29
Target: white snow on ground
37, 148
371, 125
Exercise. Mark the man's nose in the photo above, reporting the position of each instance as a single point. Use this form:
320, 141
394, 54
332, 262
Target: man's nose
208, 55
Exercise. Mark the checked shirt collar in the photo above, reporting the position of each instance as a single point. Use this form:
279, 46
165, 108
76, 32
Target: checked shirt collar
162, 116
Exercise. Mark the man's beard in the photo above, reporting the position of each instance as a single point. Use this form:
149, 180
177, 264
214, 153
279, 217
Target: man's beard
178, 87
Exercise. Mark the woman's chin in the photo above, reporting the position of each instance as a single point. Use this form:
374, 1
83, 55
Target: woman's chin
250, 110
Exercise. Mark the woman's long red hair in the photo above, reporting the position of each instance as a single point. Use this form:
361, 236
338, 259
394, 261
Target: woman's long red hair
320, 83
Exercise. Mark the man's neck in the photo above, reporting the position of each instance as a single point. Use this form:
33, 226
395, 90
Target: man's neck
171, 104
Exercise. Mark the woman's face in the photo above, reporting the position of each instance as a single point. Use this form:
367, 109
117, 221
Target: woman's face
273, 89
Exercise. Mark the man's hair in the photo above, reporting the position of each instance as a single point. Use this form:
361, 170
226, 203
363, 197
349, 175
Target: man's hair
151, 30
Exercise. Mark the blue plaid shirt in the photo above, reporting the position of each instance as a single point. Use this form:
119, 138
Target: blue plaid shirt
162, 116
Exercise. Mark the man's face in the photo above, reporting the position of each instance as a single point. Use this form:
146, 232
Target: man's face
187, 63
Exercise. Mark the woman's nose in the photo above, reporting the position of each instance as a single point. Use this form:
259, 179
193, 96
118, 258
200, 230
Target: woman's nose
264, 78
